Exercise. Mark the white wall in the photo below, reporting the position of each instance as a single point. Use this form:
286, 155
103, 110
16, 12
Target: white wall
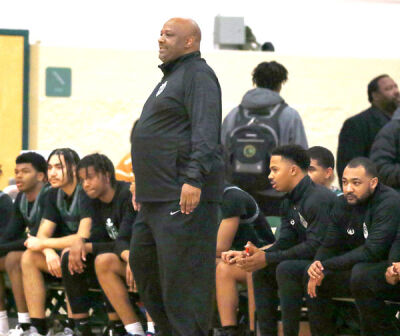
362, 28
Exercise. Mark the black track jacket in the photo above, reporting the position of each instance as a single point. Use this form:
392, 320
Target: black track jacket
305, 219
177, 138
361, 233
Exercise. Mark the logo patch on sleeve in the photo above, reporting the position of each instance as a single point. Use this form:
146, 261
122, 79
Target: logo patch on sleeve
365, 230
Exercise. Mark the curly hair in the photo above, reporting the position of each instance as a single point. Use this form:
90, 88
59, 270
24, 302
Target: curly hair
269, 75
101, 164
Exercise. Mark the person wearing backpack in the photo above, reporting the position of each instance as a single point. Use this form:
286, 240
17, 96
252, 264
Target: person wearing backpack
262, 122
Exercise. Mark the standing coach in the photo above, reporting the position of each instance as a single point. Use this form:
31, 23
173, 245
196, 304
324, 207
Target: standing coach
178, 166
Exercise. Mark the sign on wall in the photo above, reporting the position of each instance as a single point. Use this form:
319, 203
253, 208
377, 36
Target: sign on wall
58, 82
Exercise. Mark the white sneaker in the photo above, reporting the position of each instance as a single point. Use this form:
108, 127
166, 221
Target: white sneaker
17, 331
33, 332
66, 332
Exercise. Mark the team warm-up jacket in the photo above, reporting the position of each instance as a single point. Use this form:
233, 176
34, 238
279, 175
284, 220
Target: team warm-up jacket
385, 152
361, 233
305, 218
359, 131
177, 138
26, 218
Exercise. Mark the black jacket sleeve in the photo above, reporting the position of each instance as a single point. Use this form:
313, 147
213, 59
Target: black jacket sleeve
333, 243
16, 227
203, 103
394, 254
351, 144
320, 219
6, 212
383, 229
385, 154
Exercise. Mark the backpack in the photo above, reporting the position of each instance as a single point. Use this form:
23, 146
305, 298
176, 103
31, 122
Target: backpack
249, 145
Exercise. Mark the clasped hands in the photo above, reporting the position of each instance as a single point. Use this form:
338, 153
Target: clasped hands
250, 260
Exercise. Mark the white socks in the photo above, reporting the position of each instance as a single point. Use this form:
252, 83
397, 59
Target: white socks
150, 327
135, 328
24, 318
3, 322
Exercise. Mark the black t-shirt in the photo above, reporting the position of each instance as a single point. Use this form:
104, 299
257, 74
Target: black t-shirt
67, 211
252, 226
108, 218
6, 211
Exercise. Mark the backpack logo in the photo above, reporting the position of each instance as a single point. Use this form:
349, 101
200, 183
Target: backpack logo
161, 89
249, 151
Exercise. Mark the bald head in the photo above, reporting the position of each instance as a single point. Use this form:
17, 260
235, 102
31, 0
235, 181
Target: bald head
179, 36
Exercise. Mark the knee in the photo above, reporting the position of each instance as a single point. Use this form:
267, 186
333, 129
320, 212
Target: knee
359, 280
105, 263
283, 271
223, 270
13, 261
29, 260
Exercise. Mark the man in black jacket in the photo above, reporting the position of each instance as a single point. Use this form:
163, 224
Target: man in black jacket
305, 218
365, 225
385, 152
178, 167
358, 132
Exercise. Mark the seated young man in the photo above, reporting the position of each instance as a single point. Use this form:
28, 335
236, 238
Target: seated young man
305, 218
31, 178
111, 202
66, 219
365, 223
322, 165
242, 221
6, 211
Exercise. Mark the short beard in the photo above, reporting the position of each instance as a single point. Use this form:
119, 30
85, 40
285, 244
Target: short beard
390, 106
363, 199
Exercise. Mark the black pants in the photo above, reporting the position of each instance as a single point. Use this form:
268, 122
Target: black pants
77, 285
288, 277
173, 261
266, 297
370, 289
321, 309
291, 275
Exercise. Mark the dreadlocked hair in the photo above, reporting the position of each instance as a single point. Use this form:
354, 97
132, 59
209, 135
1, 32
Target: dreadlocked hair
101, 164
71, 159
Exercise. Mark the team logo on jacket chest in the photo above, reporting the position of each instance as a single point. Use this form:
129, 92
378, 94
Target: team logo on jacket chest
350, 231
161, 88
